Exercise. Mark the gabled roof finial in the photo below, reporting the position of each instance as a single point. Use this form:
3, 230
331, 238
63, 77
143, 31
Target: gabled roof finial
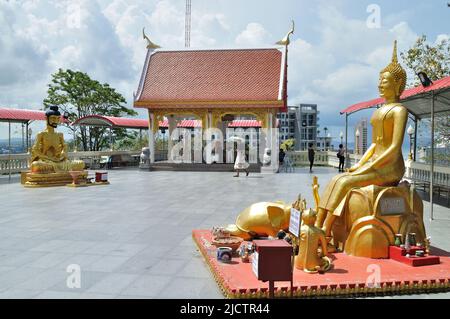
286, 40
150, 44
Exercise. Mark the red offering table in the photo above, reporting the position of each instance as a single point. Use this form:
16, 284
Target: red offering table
348, 276
399, 254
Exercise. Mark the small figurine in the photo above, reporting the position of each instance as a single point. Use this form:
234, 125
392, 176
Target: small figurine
427, 243
245, 250
311, 238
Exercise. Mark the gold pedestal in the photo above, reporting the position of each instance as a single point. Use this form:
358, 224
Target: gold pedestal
369, 217
33, 180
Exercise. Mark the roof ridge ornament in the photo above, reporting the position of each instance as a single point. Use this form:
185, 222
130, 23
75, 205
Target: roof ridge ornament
150, 44
286, 40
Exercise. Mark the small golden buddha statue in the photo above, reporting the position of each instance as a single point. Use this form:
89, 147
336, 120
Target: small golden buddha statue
383, 163
49, 162
49, 152
310, 259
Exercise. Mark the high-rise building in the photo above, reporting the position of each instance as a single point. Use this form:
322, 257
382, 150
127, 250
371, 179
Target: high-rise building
300, 123
361, 137
287, 124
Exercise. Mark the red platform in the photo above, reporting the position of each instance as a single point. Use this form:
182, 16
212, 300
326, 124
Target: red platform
347, 277
399, 254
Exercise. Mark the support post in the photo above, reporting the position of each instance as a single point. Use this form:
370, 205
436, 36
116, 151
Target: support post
415, 138
27, 138
151, 136
9, 150
347, 156
172, 126
432, 157
111, 144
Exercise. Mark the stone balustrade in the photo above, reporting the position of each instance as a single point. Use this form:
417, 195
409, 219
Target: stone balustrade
16, 163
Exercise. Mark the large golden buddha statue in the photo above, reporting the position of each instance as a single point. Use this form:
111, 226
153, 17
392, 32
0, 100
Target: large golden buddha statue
49, 163
382, 165
363, 210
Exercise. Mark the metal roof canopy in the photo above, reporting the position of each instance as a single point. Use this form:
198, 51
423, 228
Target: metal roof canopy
415, 100
421, 102
111, 122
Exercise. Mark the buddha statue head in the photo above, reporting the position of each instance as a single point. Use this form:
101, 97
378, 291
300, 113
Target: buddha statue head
392, 79
53, 116
309, 217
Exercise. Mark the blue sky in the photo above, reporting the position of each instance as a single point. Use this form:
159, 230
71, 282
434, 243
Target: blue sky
334, 57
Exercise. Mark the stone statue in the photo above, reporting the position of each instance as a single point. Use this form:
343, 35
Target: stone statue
309, 258
145, 158
49, 162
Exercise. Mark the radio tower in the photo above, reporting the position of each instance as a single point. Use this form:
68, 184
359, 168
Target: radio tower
187, 25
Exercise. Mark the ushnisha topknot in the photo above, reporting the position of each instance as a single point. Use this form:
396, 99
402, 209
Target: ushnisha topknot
54, 110
396, 70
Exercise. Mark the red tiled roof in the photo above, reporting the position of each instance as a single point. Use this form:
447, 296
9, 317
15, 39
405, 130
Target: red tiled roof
212, 75
437, 85
245, 123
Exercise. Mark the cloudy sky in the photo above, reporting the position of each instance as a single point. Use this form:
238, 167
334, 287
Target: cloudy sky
334, 59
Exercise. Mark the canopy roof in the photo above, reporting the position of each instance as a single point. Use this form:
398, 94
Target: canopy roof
111, 121
22, 115
213, 78
415, 99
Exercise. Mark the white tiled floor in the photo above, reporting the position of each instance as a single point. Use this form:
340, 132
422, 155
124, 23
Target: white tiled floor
132, 239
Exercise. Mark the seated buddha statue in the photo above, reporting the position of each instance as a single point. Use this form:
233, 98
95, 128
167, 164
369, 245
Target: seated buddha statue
382, 164
49, 152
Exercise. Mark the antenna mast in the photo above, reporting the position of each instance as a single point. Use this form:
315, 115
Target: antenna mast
187, 25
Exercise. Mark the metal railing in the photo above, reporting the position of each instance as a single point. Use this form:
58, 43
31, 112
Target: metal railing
420, 172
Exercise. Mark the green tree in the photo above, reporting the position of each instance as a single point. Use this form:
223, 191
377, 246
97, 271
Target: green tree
288, 145
434, 60
78, 95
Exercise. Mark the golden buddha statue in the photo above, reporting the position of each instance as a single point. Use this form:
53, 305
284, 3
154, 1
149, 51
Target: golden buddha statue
49, 163
309, 258
382, 165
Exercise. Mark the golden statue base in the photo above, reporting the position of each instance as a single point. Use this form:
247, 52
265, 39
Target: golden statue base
34, 180
369, 217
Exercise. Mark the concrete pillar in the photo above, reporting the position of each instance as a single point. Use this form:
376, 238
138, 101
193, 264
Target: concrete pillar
151, 135
172, 126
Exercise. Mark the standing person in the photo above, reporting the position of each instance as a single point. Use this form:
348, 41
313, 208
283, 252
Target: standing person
311, 154
341, 156
281, 156
240, 163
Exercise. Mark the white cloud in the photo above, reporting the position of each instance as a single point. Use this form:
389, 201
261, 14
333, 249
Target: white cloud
253, 35
442, 37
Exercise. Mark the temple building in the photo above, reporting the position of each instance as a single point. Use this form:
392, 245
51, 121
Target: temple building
212, 86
